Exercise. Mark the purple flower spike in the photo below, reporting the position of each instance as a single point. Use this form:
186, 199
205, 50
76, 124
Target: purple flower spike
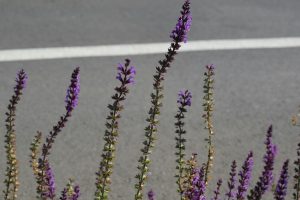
245, 176
217, 190
126, 74
21, 80
76, 193
73, 91
151, 195
183, 25
281, 187
266, 179
232, 181
184, 98
49, 192
197, 191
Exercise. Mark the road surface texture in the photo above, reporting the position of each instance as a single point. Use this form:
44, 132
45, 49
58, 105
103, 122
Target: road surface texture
253, 89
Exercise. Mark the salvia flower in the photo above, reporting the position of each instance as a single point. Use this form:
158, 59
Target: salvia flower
71, 103
70, 192
245, 176
73, 91
11, 181
208, 106
232, 182
266, 179
296, 193
125, 75
217, 190
198, 187
281, 187
178, 35
184, 100
151, 195
183, 24
49, 187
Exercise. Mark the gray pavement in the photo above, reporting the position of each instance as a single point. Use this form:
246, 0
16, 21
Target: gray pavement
254, 88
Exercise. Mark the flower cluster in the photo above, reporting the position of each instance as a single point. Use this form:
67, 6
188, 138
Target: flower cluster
179, 33
266, 179
217, 191
281, 188
73, 91
151, 195
71, 192
296, 194
232, 181
245, 176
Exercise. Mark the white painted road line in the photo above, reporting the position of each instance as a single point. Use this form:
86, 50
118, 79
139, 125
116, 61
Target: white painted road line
142, 49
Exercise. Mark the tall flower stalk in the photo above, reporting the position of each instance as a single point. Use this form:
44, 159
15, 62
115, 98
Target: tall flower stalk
296, 193
125, 75
208, 110
245, 176
184, 100
44, 174
11, 181
266, 178
178, 35
281, 187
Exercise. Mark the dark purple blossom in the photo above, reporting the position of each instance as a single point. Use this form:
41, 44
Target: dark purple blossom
217, 190
232, 182
126, 74
21, 80
184, 98
210, 67
281, 187
151, 195
73, 91
76, 193
245, 176
49, 187
70, 192
266, 179
198, 187
179, 33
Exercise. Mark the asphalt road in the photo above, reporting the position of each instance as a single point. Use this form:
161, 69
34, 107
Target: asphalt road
254, 88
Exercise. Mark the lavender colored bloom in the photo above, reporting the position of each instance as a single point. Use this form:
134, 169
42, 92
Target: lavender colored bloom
245, 176
232, 181
126, 75
49, 191
179, 33
76, 193
151, 195
70, 192
281, 187
197, 191
64, 194
217, 190
184, 98
73, 91
210, 67
21, 80
266, 179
